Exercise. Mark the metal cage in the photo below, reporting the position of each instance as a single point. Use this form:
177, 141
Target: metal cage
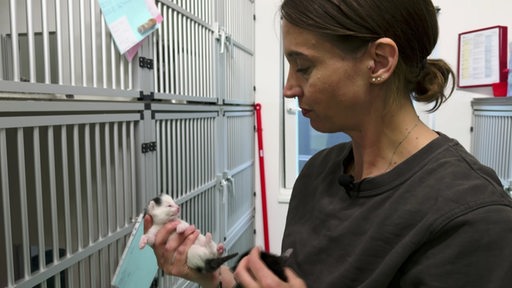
88, 137
491, 137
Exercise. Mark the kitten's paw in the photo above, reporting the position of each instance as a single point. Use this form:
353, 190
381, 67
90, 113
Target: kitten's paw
208, 237
220, 249
143, 242
182, 227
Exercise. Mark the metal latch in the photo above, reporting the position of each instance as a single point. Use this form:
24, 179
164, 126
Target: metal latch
148, 147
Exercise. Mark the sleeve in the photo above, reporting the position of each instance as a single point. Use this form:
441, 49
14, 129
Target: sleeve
472, 251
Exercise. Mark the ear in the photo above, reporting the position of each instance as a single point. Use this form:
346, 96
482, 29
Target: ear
384, 54
151, 206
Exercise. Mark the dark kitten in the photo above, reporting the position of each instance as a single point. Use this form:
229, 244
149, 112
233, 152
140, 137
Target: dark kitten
275, 263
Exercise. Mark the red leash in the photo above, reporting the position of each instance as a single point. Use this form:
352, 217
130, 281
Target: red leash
259, 131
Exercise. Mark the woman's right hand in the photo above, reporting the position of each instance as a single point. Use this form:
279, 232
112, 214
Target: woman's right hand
171, 249
253, 272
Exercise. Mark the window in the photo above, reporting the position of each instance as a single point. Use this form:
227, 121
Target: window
301, 141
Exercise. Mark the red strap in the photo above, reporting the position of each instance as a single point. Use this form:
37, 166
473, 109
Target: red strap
259, 132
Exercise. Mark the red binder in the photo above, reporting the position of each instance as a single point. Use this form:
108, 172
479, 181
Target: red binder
482, 57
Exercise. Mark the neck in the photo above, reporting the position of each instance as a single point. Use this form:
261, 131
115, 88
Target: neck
391, 163
380, 154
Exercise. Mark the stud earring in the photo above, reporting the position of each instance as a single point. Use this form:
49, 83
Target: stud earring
377, 79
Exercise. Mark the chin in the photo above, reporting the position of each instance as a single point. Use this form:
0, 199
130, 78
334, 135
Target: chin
320, 128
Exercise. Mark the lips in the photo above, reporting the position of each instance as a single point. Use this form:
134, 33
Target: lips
305, 112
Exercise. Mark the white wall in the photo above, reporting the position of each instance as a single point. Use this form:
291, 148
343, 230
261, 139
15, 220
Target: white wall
268, 93
453, 118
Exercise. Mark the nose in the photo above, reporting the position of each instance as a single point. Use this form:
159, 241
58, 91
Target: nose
292, 88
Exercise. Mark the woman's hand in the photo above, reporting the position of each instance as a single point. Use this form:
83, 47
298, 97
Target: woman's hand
253, 273
171, 249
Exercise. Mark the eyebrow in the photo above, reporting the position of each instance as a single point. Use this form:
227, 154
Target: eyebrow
294, 55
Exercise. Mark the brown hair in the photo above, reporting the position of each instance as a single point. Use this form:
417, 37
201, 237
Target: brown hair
352, 24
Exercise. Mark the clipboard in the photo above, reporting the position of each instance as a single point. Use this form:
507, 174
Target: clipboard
482, 57
137, 267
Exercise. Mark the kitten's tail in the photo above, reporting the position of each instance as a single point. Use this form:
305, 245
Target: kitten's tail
211, 265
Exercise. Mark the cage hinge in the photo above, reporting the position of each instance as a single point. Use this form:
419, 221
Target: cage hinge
146, 97
148, 147
146, 63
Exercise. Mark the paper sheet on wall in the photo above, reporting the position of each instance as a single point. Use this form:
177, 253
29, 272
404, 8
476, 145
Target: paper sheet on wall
130, 21
479, 58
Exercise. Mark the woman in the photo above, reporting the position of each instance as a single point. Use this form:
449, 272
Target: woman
399, 206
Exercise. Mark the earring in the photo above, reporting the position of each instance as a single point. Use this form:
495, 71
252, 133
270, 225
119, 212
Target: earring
377, 79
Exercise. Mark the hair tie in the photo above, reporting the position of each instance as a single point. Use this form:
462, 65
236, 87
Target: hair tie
423, 64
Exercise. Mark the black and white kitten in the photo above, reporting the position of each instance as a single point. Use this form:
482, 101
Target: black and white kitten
204, 255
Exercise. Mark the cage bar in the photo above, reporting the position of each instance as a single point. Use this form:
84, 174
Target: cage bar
6, 208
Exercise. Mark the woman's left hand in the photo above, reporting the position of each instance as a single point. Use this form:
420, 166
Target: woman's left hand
251, 272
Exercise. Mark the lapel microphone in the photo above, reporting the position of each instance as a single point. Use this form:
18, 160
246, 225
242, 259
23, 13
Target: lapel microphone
347, 181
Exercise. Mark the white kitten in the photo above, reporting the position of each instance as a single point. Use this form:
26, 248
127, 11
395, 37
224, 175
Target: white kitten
204, 255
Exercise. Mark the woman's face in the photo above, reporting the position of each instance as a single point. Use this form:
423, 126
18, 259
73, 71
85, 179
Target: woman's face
332, 88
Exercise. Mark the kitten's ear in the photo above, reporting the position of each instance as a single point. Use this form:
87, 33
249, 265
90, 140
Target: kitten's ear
151, 206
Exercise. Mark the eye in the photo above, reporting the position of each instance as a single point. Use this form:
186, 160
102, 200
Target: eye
303, 66
303, 70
